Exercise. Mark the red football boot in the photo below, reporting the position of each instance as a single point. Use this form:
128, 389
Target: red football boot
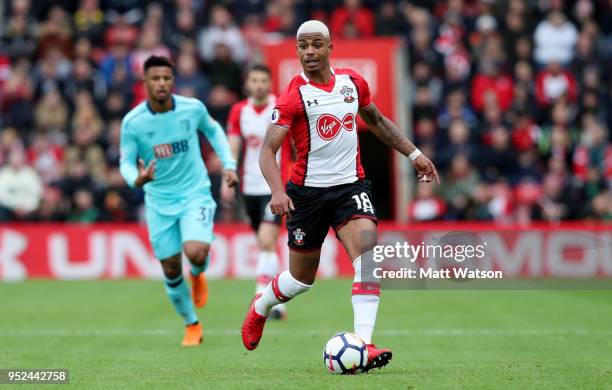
252, 327
377, 358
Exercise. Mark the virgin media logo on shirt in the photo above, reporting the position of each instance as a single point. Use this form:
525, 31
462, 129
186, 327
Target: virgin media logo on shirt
328, 126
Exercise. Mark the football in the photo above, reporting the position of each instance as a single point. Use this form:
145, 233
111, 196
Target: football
345, 353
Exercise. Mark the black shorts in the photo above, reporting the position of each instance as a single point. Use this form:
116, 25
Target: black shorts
258, 209
316, 209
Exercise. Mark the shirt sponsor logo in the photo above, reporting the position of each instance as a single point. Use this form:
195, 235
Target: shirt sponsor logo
171, 149
328, 126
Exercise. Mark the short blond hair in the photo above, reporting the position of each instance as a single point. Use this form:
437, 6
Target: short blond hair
313, 27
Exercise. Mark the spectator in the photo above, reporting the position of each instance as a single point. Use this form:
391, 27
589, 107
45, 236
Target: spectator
131, 199
514, 28
593, 153
554, 83
220, 100
9, 140
18, 39
55, 33
490, 80
84, 210
224, 71
523, 101
90, 156
456, 108
116, 105
76, 176
523, 73
184, 27
352, 20
86, 115
495, 201
458, 186
584, 10
499, 160
87, 128
83, 49
20, 188
522, 50
89, 21
526, 194
492, 118
120, 39
113, 135
423, 77
525, 132
272, 18
426, 206
187, 74
114, 208
555, 40
457, 67
52, 73
46, 157
459, 142
558, 138
52, 207
86, 78
425, 132
154, 17
389, 21
586, 55
280, 19
591, 103
555, 204
17, 95
601, 207
123, 30
254, 36
150, 44
421, 50
485, 34
222, 30
527, 167
423, 104
450, 34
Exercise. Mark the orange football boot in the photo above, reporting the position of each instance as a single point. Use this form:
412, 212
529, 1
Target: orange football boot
199, 289
193, 335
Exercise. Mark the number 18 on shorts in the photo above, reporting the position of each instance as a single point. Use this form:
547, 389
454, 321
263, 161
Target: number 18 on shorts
316, 209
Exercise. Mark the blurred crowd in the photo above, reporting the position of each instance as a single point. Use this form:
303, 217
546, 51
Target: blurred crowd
511, 99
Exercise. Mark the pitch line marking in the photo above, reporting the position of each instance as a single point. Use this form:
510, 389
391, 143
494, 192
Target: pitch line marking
322, 332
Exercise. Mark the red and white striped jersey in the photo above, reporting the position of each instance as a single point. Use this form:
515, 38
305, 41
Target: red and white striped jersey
251, 122
322, 123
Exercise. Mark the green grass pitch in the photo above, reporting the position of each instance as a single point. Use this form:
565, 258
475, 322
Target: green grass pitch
124, 334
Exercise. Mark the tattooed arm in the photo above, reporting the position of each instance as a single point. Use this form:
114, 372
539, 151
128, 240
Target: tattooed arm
388, 133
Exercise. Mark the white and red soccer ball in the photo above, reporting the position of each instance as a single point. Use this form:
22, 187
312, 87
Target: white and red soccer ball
345, 353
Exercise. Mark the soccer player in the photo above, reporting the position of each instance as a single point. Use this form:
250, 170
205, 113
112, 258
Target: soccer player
248, 122
160, 152
327, 185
